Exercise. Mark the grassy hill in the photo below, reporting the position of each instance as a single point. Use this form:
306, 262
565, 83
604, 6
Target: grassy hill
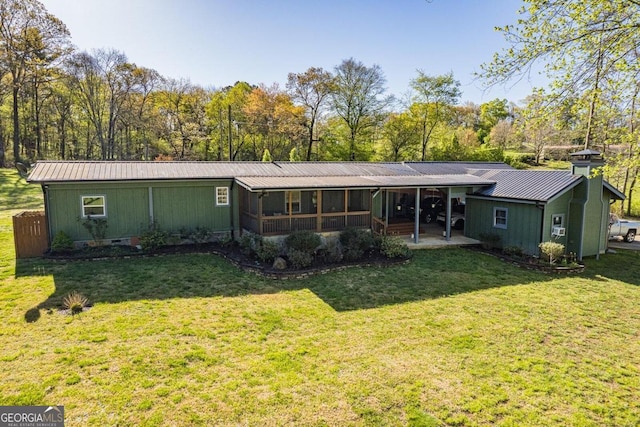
453, 338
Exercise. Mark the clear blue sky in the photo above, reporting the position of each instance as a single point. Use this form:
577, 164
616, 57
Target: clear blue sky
215, 43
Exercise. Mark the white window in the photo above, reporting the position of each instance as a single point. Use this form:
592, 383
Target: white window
500, 217
94, 206
222, 196
294, 197
557, 220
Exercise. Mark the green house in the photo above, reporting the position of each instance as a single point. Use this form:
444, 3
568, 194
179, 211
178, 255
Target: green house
525, 208
275, 198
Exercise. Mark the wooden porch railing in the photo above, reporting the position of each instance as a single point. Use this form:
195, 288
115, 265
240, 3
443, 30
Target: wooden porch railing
276, 225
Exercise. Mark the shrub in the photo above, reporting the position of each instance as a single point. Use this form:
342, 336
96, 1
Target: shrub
490, 240
75, 302
394, 247
355, 242
200, 235
304, 241
61, 242
97, 228
332, 252
153, 238
249, 243
300, 259
551, 251
267, 251
513, 251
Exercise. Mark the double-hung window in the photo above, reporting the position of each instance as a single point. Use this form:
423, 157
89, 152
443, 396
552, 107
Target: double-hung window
94, 206
222, 196
500, 217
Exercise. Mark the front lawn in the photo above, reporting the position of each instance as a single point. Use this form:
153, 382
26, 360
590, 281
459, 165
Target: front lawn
452, 338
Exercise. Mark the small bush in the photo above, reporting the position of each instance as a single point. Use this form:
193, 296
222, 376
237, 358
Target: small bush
249, 243
303, 240
490, 240
394, 247
154, 238
61, 243
75, 302
332, 252
513, 251
268, 251
355, 242
97, 228
200, 235
552, 251
300, 259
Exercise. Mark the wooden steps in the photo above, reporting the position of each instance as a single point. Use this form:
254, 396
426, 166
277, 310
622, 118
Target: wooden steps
401, 229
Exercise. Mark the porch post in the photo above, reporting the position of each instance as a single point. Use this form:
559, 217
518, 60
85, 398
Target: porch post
260, 228
318, 211
416, 227
346, 208
386, 210
448, 216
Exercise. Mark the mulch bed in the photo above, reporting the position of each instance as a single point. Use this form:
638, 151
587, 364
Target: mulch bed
231, 253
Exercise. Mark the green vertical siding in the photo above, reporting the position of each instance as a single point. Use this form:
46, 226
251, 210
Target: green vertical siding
179, 206
559, 206
127, 209
176, 205
523, 223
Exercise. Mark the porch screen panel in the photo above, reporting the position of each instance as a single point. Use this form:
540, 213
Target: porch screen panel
332, 201
358, 200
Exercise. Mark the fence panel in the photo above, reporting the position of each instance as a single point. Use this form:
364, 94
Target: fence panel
30, 234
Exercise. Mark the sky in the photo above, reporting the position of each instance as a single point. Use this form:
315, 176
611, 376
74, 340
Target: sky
215, 43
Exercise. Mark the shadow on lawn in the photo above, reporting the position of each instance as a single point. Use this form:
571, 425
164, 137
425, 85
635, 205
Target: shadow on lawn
431, 274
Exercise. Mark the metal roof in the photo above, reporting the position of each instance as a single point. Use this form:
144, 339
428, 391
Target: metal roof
383, 181
535, 185
64, 171
455, 168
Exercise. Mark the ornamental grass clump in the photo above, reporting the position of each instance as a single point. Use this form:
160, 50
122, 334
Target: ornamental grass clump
75, 302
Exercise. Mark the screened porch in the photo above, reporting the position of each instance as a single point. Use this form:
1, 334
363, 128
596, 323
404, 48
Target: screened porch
280, 212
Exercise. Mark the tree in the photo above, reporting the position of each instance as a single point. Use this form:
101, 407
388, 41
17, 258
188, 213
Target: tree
30, 38
579, 43
312, 89
432, 99
490, 114
401, 138
225, 113
359, 98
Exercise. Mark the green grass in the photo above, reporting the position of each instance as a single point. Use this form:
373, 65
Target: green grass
453, 338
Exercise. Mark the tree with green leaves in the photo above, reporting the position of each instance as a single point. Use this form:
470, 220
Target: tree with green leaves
359, 99
490, 114
312, 89
433, 98
30, 39
581, 45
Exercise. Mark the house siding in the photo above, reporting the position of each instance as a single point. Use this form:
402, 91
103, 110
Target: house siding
176, 206
127, 209
523, 223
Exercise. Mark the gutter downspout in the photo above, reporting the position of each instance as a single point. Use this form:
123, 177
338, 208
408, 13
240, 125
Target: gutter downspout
233, 208
416, 226
45, 192
151, 218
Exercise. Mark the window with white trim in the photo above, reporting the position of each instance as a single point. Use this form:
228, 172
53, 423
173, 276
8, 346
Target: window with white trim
222, 196
94, 206
294, 196
557, 220
500, 217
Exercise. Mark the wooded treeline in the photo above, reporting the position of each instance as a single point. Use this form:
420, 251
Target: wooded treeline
60, 103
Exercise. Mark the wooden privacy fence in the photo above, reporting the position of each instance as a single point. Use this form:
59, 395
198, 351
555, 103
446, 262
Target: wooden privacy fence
30, 234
